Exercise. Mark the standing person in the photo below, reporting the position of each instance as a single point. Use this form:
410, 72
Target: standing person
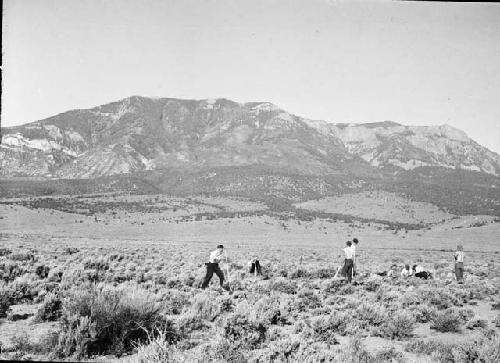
459, 264
355, 261
216, 256
348, 262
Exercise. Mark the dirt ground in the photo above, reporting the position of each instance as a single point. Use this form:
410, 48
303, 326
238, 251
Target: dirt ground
290, 243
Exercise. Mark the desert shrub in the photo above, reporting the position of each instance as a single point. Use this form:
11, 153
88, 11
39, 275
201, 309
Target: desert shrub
108, 320
42, 271
50, 309
446, 321
440, 351
21, 343
388, 354
355, 352
399, 325
278, 351
496, 321
465, 314
55, 275
298, 274
372, 285
337, 322
71, 250
374, 315
423, 313
5, 251
99, 263
159, 349
25, 287
205, 305
222, 350
189, 323
324, 330
324, 273
9, 271
477, 324
307, 300
242, 331
173, 301
22, 256
440, 299
283, 285
485, 349
5, 300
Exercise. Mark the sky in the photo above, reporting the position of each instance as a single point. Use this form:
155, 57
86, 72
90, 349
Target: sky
416, 63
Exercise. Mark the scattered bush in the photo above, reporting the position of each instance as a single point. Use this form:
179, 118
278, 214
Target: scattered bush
50, 309
5, 300
446, 321
104, 320
398, 326
243, 332
283, 285
42, 271
5, 251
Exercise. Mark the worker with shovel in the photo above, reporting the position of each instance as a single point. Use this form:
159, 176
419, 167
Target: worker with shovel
216, 257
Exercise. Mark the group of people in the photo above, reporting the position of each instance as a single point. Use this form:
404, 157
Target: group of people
219, 255
407, 271
347, 270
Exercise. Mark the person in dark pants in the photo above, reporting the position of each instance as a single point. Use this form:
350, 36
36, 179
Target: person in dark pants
459, 264
348, 262
213, 267
254, 266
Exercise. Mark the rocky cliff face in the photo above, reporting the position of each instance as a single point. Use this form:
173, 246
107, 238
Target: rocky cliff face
138, 134
408, 147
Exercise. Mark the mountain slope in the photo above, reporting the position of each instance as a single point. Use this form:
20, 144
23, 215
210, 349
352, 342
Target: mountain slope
408, 147
139, 134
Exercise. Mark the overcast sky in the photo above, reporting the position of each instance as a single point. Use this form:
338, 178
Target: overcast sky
410, 62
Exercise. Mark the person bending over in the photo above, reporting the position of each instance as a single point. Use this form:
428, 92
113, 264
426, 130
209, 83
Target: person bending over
254, 266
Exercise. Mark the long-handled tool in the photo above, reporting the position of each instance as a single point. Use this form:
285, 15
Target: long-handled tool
337, 273
227, 273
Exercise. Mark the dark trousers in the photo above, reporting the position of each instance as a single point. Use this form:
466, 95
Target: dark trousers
211, 268
348, 269
255, 266
459, 271
423, 275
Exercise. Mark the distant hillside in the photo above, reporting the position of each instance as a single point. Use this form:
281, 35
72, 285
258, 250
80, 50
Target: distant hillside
139, 134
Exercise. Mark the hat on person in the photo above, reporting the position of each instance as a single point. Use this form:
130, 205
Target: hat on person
220, 246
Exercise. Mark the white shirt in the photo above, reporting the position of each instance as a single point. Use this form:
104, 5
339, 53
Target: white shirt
459, 256
349, 253
216, 256
419, 269
406, 273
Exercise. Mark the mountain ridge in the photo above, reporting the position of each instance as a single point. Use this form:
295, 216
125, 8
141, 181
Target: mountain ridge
141, 133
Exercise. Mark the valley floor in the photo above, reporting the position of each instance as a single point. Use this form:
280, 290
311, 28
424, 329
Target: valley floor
295, 311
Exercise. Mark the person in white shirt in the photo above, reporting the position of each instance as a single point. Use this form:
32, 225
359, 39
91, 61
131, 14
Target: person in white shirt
216, 256
407, 271
459, 264
348, 262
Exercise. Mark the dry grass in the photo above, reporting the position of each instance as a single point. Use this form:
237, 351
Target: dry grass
110, 295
